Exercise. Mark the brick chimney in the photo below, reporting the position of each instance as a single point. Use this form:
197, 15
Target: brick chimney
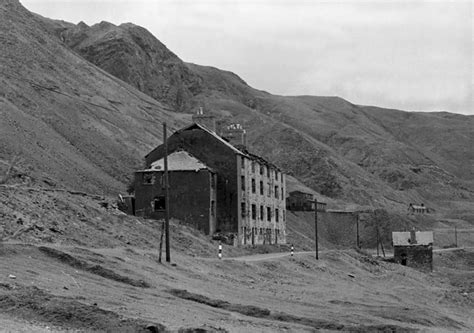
235, 134
206, 120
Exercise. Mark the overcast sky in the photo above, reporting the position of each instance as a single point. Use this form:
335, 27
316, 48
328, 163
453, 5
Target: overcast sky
405, 54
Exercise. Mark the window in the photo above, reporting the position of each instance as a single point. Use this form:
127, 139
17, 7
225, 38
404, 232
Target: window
242, 209
159, 203
282, 193
148, 178
254, 212
253, 166
261, 188
276, 175
261, 169
242, 182
269, 214
276, 191
281, 176
261, 213
213, 181
253, 186
269, 190
261, 231
213, 208
242, 164
277, 215
268, 171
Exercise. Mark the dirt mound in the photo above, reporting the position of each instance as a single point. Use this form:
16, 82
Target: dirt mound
33, 303
94, 269
258, 312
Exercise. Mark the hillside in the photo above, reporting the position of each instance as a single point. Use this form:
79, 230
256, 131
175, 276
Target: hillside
361, 154
70, 123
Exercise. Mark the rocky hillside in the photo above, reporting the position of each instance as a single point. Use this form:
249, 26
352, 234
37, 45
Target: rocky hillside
75, 89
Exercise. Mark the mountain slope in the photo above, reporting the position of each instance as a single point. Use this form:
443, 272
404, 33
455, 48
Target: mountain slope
69, 121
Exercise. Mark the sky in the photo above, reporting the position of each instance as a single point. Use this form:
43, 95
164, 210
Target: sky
406, 54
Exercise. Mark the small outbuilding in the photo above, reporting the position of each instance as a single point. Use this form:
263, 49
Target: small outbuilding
192, 191
302, 201
414, 249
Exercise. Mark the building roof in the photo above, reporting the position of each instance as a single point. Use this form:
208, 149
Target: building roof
220, 139
404, 238
178, 161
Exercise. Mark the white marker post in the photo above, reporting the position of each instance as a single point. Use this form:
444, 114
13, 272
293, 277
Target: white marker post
220, 250
292, 249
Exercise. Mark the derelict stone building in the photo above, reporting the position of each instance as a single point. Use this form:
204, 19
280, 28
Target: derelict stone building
195, 205
250, 191
414, 249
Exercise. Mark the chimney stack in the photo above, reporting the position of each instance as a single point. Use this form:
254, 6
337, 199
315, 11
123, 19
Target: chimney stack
236, 135
205, 120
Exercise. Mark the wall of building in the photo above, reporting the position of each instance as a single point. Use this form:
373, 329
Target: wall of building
259, 206
190, 196
221, 159
298, 201
415, 256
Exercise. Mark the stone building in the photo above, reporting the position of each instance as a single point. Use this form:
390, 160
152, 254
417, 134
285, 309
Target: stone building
192, 191
414, 249
417, 209
250, 191
302, 201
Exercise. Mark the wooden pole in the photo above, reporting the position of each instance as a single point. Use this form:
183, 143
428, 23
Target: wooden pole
167, 197
358, 239
456, 236
377, 239
316, 227
161, 241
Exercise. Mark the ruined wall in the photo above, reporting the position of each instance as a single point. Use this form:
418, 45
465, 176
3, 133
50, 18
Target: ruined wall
415, 256
221, 159
190, 197
262, 198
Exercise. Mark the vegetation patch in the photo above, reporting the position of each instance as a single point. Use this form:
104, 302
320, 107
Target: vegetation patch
94, 269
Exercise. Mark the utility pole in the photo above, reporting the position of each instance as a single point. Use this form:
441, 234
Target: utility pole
315, 201
377, 239
167, 196
357, 225
456, 235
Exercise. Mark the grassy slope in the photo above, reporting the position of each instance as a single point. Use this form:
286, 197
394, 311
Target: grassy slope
68, 120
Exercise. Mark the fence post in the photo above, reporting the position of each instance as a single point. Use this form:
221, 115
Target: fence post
220, 250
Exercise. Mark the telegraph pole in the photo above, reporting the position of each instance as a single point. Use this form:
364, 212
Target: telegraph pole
358, 239
167, 196
315, 201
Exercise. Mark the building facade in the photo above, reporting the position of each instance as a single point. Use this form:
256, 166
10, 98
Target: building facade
414, 249
250, 191
192, 192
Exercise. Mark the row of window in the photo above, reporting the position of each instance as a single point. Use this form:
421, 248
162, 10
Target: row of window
260, 231
269, 192
261, 212
263, 169
150, 178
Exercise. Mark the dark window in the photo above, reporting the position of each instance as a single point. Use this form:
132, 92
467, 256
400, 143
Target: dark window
281, 176
213, 180
276, 175
277, 215
148, 178
159, 203
242, 209
253, 186
282, 193
268, 172
243, 163
261, 169
253, 166
213, 208
261, 231
261, 213
269, 190
254, 212
276, 192
242, 182
261, 188
269, 214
